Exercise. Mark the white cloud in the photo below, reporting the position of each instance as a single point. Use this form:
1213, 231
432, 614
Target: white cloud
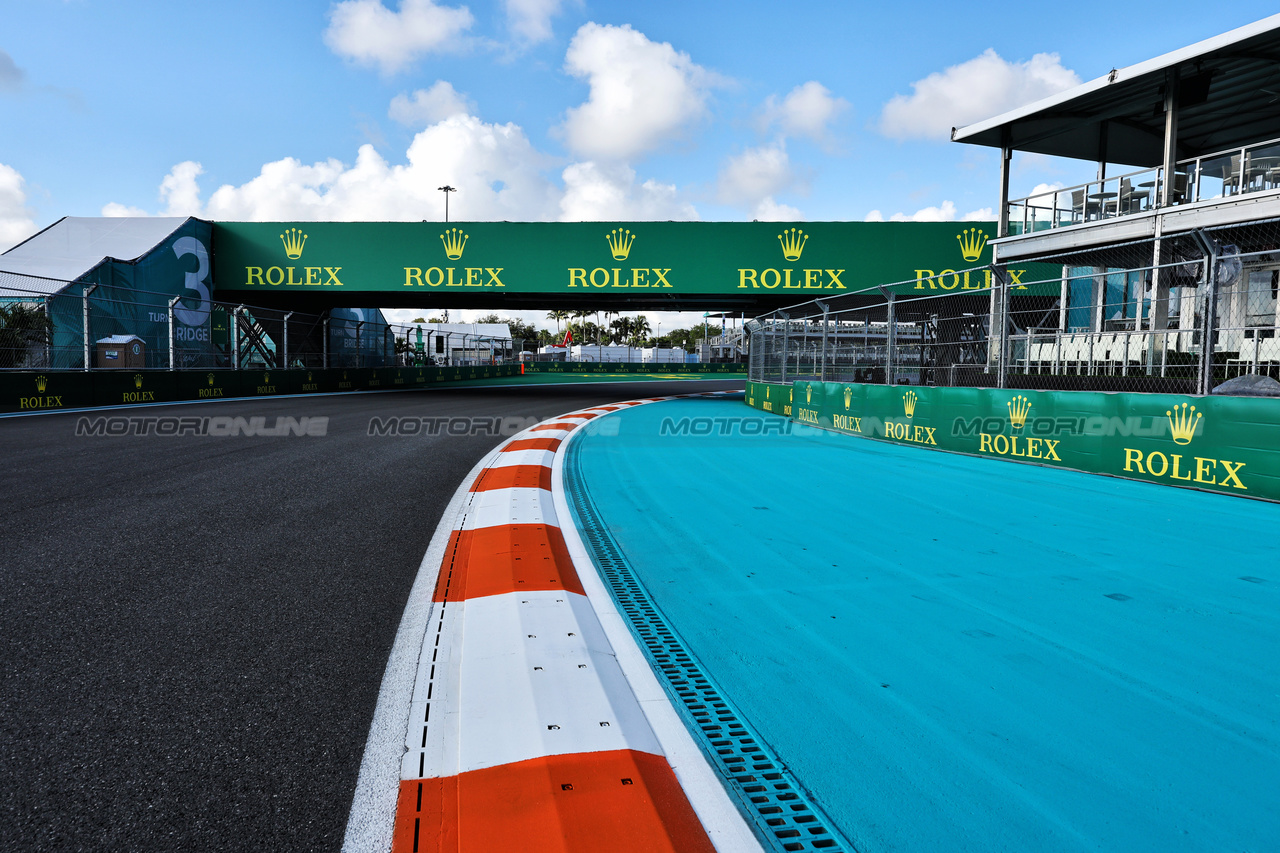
16, 223
596, 191
946, 212
768, 210
981, 88
807, 110
428, 106
371, 34
530, 20
642, 93
499, 176
755, 173
752, 179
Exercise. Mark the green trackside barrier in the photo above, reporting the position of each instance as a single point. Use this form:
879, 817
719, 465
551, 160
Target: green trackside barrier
1222, 444
31, 391
630, 367
770, 397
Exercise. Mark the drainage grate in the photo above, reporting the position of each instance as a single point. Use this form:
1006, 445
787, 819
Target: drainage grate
776, 806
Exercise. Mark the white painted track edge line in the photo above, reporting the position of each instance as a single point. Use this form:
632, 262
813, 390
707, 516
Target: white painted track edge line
371, 821
702, 785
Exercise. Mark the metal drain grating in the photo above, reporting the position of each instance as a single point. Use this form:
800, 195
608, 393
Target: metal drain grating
776, 806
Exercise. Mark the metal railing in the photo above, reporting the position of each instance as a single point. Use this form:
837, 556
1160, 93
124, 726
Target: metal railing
1237, 171
82, 326
1179, 327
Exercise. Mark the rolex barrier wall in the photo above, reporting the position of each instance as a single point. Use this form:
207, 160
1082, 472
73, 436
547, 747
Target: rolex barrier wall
1222, 444
769, 397
630, 367
29, 391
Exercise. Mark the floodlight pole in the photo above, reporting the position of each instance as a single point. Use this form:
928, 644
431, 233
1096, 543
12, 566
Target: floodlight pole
88, 363
446, 189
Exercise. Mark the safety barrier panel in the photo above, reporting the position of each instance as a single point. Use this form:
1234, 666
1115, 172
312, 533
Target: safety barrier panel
770, 397
28, 391
1223, 444
630, 367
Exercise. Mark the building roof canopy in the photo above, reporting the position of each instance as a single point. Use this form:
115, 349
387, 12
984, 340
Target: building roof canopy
1228, 96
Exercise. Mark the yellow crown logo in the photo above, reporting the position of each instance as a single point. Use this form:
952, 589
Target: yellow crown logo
848, 397
41, 383
766, 392
620, 243
1183, 424
266, 378
137, 380
808, 394
792, 243
293, 240
972, 242
1018, 408
210, 378
909, 403
454, 242
308, 375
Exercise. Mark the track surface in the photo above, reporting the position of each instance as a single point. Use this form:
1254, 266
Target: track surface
964, 654
193, 630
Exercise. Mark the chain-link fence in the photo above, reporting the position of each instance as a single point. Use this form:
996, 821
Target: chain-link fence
1195, 313
48, 324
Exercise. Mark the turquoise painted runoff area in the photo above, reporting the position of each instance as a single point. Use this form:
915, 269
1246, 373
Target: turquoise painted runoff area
954, 653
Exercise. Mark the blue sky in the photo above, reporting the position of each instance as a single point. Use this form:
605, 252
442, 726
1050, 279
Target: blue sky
540, 109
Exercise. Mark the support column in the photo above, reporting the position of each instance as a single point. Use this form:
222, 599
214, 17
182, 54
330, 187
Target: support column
173, 335
284, 354
88, 361
1170, 138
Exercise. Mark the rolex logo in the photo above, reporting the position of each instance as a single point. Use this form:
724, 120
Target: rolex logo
620, 243
792, 243
1183, 422
1018, 408
808, 394
308, 375
767, 389
137, 380
848, 397
266, 378
972, 242
454, 243
210, 378
293, 240
909, 403
41, 383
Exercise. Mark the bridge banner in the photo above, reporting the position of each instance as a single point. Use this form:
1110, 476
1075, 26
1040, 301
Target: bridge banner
637, 259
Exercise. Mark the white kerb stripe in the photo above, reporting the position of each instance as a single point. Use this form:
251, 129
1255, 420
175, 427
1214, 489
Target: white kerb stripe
523, 457
502, 507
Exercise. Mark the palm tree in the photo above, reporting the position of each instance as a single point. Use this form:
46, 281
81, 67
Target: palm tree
558, 316
640, 330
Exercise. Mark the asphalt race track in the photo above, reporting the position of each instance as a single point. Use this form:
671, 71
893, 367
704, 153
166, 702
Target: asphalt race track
193, 629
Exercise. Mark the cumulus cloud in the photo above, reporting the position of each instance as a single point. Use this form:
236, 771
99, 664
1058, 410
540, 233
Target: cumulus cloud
371, 34
530, 20
428, 106
946, 212
983, 87
596, 191
11, 76
16, 223
754, 174
807, 110
498, 173
642, 93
